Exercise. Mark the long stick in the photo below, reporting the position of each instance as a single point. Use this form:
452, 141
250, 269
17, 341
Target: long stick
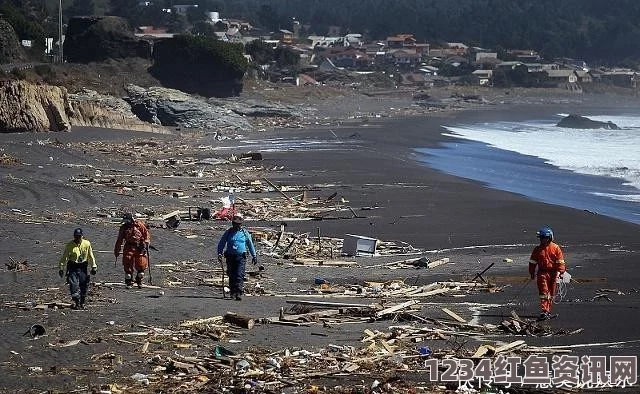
224, 295
149, 263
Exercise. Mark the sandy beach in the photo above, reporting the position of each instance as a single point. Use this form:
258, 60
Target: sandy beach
368, 162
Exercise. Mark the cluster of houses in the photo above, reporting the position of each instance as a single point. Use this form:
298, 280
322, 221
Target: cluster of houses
416, 63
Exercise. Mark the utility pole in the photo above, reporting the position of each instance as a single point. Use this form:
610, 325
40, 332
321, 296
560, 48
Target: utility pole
60, 46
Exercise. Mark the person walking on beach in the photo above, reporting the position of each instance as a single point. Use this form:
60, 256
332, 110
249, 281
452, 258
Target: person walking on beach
549, 260
74, 264
135, 236
236, 244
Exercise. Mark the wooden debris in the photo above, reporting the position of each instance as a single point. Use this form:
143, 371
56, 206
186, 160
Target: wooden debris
239, 320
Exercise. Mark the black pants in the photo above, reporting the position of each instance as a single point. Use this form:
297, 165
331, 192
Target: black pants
235, 270
78, 281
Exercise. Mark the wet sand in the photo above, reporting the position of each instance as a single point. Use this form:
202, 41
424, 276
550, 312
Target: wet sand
450, 217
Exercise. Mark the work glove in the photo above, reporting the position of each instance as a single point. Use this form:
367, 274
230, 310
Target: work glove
61, 273
220, 258
94, 271
254, 260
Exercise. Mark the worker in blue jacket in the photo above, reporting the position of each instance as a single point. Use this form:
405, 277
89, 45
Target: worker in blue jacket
235, 245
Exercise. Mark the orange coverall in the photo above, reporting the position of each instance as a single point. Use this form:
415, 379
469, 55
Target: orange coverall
549, 259
136, 238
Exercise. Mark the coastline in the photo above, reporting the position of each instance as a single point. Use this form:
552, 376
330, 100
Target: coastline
451, 217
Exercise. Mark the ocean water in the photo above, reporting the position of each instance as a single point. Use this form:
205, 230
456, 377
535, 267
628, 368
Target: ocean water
595, 170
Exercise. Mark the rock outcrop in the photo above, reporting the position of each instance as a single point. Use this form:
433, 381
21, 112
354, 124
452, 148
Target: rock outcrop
92, 109
28, 107
169, 107
581, 122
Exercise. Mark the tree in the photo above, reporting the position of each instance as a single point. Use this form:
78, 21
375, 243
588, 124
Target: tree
203, 28
198, 64
286, 57
260, 51
81, 8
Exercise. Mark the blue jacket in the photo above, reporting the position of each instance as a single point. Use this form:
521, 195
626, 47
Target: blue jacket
236, 242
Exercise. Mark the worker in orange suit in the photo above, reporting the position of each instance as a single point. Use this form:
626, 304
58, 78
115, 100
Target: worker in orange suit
136, 239
549, 260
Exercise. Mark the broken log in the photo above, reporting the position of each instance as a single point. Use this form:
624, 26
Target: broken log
239, 320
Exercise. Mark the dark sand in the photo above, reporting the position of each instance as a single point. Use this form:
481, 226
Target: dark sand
472, 225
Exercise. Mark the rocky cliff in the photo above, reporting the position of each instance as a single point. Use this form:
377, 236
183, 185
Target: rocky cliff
26, 107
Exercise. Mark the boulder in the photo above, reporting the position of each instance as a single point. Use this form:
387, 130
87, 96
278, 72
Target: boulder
170, 107
581, 122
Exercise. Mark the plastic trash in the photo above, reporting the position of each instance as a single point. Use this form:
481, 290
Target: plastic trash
425, 351
321, 281
242, 365
141, 378
272, 362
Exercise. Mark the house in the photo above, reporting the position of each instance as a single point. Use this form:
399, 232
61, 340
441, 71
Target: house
152, 32
483, 76
562, 77
400, 41
584, 76
353, 40
404, 58
480, 56
285, 36
325, 42
459, 48
350, 58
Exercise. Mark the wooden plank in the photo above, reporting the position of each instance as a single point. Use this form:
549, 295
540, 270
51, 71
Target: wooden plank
191, 323
327, 304
396, 308
509, 346
436, 263
483, 350
453, 315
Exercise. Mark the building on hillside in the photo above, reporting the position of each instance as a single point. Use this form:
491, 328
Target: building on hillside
563, 77
584, 76
404, 58
285, 36
152, 32
480, 56
483, 77
353, 40
400, 41
350, 58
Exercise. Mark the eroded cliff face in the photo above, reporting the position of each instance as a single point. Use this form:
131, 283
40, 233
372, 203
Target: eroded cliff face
28, 107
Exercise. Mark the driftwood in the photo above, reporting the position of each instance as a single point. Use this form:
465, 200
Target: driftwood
239, 320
